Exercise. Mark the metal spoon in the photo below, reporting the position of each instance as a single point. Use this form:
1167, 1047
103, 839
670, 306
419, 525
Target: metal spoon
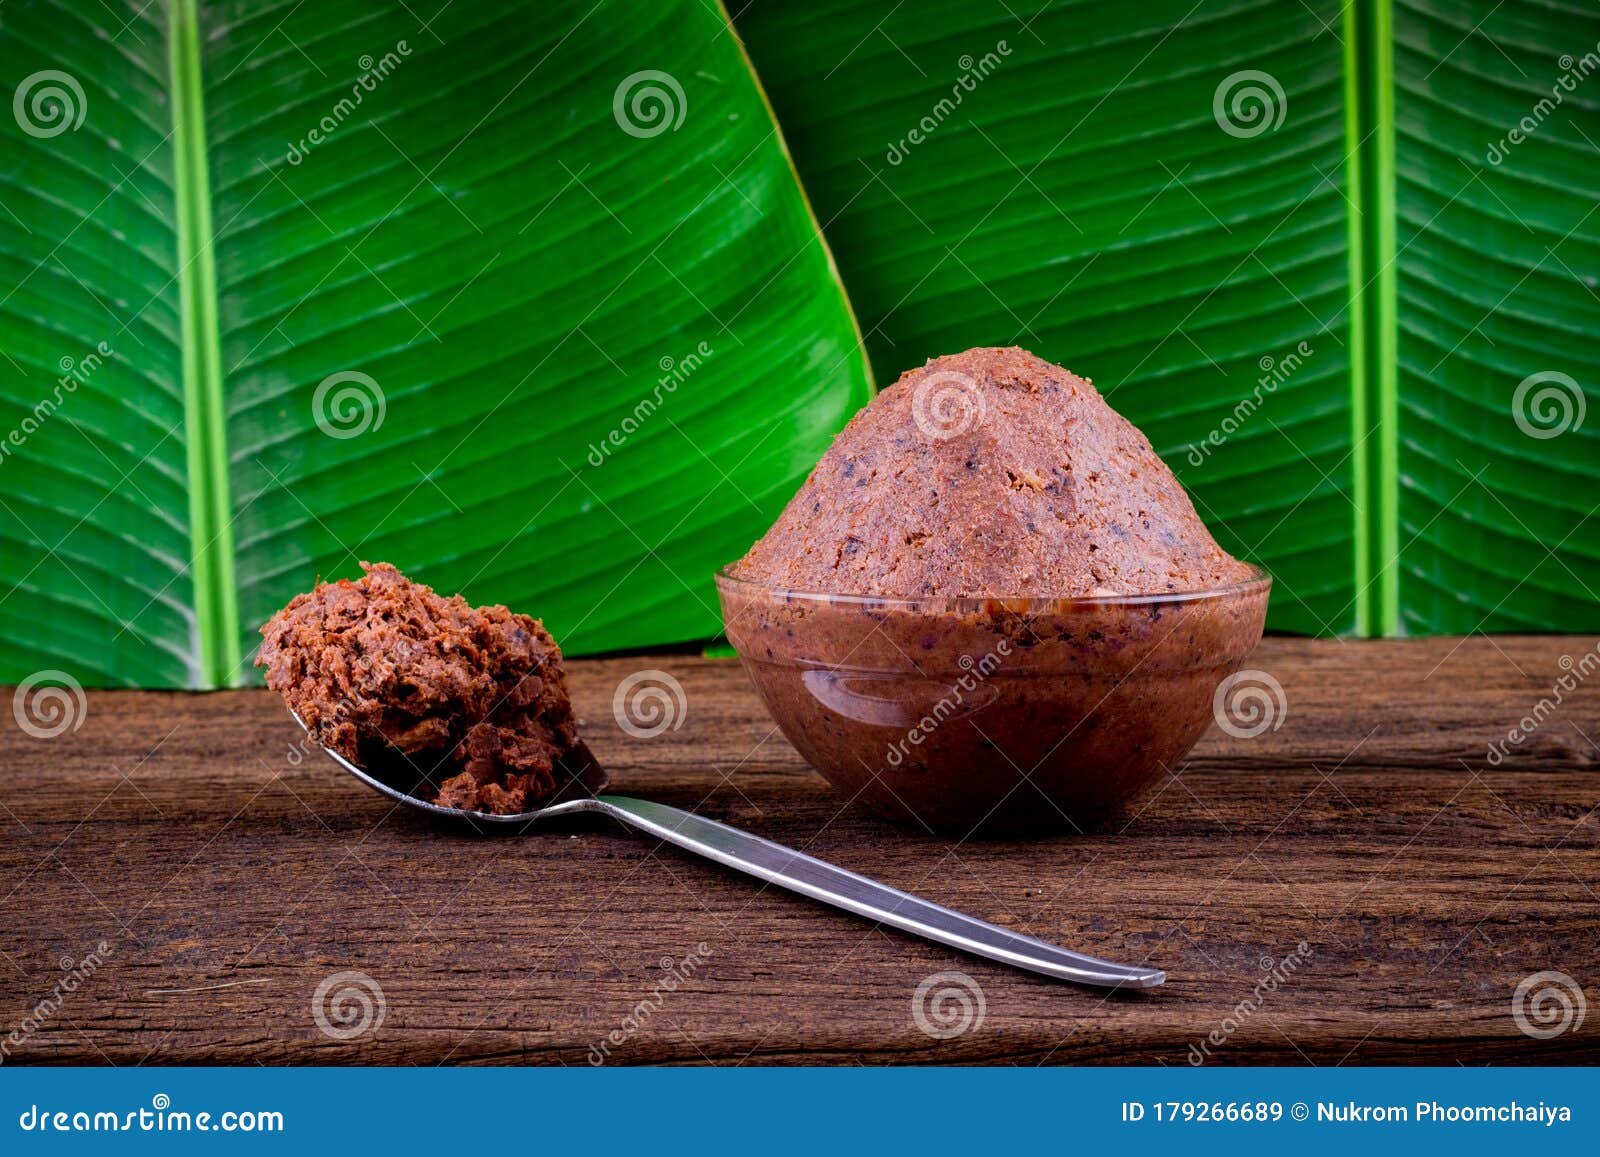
790, 869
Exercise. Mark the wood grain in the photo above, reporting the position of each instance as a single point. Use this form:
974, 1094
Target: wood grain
228, 878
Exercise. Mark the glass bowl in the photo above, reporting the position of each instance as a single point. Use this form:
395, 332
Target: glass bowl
994, 715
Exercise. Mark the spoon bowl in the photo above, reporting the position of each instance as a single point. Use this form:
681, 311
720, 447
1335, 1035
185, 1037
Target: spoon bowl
579, 779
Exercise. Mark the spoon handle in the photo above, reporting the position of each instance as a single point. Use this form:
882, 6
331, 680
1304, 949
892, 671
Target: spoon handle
812, 877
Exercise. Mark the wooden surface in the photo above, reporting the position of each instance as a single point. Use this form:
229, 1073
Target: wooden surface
228, 880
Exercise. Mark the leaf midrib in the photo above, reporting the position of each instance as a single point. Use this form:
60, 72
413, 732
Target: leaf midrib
216, 609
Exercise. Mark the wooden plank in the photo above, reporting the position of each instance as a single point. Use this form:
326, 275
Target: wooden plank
228, 878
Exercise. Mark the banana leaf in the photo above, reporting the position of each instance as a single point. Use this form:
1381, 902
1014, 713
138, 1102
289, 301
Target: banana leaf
527, 299
1497, 187
1152, 194
523, 298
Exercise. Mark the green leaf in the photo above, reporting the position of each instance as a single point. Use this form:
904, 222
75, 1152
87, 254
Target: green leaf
1082, 198
1498, 184
95, 567
565, 365
1329, 326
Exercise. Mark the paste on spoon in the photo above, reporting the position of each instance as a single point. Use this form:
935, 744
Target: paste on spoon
405, 682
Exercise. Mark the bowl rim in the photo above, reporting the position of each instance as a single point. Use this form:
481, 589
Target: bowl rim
727, 581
